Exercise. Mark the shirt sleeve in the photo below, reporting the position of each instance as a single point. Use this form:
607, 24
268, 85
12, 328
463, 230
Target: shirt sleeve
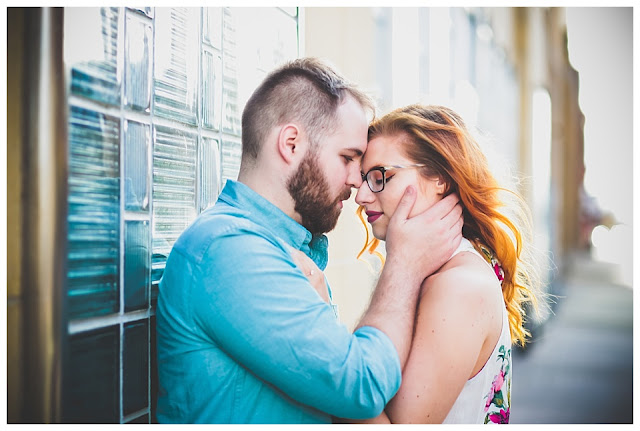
253, 302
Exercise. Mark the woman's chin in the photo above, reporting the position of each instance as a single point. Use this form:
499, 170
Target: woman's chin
379, 235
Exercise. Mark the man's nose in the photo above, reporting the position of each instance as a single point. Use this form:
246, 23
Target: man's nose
355, 177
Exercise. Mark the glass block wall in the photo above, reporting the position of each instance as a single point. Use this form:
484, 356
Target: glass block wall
155, 97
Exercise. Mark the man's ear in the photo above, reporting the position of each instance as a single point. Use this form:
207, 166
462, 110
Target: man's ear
288, 141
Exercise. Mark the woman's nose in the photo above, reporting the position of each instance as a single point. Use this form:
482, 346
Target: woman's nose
364, 195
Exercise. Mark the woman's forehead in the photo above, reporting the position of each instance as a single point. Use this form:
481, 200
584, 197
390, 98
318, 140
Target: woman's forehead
383, 150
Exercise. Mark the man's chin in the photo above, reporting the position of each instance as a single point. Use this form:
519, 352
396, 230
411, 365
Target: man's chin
322, 229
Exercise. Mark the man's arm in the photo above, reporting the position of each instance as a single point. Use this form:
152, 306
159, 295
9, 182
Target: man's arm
256, 306
416, 248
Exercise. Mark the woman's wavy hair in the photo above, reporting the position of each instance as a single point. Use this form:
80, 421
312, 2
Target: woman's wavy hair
437, 137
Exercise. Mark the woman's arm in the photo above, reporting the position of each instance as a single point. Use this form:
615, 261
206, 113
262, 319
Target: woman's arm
453, 321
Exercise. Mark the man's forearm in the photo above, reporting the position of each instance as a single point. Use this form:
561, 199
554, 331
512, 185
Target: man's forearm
393, 306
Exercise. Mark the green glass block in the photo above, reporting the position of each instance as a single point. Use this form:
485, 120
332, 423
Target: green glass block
278, 37
153, 369
211, 89
156, 274
135, 367
209, 172
230, 117
176, 63
212, 26
137, 275
230, 108
292, 11
174, 191
137, 62
147, 11
91, 384
144, 419
93, 214
137, 149
91, 51
231, 155
284, 34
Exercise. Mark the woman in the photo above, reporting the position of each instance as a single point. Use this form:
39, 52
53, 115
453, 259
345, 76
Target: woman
472, 309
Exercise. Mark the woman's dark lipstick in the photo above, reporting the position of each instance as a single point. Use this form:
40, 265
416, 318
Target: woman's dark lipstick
373, 216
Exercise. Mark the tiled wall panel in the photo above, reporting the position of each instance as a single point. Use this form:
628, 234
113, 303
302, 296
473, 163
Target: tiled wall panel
154, 131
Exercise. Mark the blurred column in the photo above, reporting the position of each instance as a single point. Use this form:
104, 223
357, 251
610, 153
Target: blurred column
44, 217
405, 47
567, 145
523, 45
439, 55
537, 157
542, 62
15, 138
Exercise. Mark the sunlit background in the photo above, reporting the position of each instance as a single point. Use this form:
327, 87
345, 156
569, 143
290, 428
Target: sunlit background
139, 127
600, 44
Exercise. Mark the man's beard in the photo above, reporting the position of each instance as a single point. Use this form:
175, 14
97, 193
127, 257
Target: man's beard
310, 192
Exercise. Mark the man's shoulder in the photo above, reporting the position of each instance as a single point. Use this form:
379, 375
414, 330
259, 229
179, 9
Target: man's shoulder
221, 225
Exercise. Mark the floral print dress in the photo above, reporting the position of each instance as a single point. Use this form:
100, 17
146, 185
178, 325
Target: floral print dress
486, 397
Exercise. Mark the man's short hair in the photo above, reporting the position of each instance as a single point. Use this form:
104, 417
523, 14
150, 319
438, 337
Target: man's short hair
306, 91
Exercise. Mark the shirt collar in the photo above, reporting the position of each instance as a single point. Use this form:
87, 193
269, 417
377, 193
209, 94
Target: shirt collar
266, 214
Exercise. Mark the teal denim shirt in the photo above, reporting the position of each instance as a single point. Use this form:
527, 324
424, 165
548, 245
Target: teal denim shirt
243, 337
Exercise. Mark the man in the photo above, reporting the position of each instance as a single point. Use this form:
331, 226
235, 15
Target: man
243, 337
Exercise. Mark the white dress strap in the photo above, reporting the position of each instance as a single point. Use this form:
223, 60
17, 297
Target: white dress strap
466, 245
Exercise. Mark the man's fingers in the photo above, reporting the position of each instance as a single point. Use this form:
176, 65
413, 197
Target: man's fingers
454, 216
447, 209
446, 206
455, 219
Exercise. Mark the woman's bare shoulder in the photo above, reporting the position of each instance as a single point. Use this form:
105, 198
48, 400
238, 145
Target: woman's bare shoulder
465, 291
464, 277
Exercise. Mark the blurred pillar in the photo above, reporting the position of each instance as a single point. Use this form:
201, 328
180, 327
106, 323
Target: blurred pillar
567, 138
524, 64
40, 135
541, 58
542, 61
15, 138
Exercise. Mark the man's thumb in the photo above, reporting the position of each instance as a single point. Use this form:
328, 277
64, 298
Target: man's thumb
406, 204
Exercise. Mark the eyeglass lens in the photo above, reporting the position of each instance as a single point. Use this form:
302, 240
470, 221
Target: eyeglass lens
375, 179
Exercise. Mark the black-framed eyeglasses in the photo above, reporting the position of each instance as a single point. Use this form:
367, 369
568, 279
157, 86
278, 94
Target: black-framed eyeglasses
376, 178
